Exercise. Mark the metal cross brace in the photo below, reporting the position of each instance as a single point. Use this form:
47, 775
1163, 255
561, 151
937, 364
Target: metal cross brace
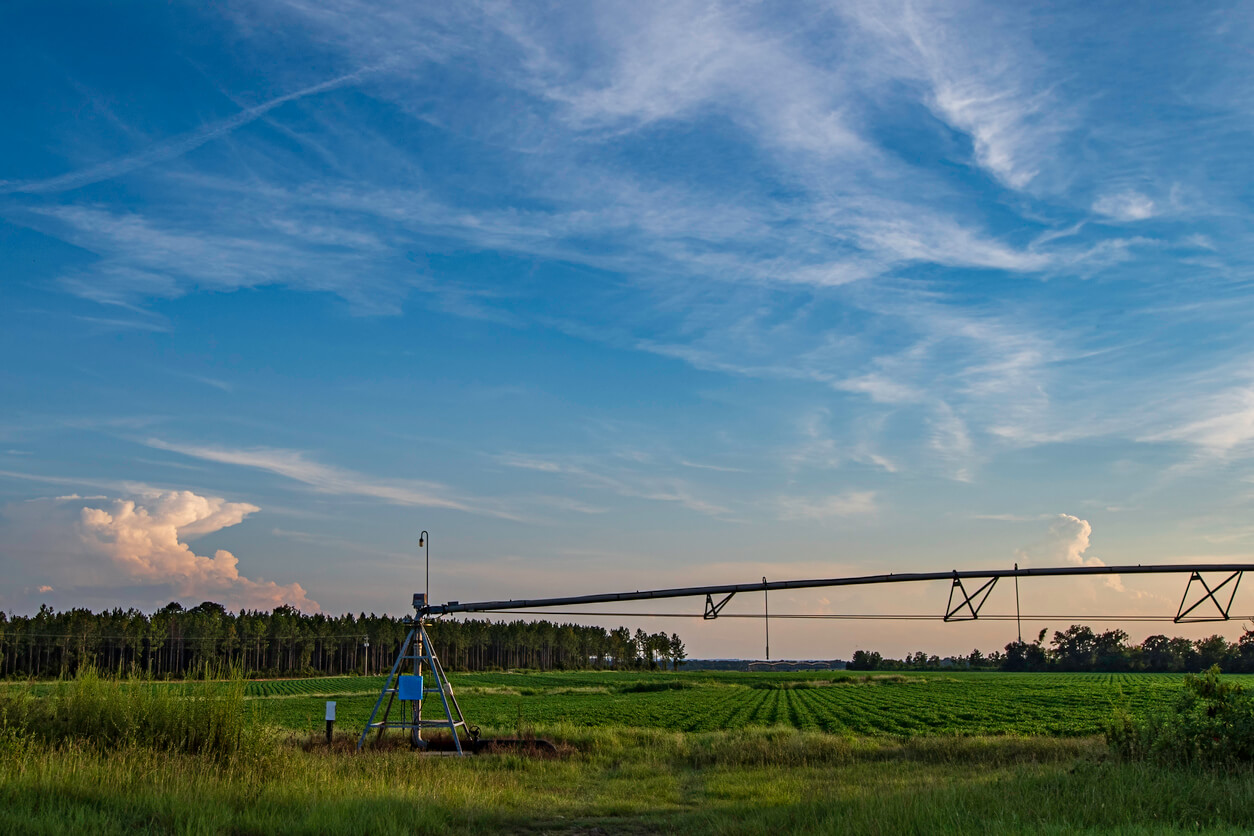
712, 609
968, 601
1182, 615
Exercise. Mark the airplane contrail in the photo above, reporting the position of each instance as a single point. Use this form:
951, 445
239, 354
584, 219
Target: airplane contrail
170, 148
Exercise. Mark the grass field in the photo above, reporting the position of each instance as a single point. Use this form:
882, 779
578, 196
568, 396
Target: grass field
720, 753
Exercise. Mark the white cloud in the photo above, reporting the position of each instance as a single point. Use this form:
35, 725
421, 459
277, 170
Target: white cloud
952, 441
142, 258
144, 543
1066, 542
880, 389
625, 474
665, 60
525, 462
715, 467
565, 503
294, 465
987, 85
1072, 536
1125, 206
169, 149
847, 504
134, 549
1229, 426
818, 448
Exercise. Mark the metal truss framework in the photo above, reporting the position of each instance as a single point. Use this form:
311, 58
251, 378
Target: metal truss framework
1183, 615
954, 613
966, 608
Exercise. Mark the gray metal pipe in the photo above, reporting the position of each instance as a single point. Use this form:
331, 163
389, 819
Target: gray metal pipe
905, 577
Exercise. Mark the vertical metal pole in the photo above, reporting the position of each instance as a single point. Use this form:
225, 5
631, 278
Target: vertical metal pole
418, 671
1018, 621
766, 607
424, 541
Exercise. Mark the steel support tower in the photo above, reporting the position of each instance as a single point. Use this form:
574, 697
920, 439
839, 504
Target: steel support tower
411, 689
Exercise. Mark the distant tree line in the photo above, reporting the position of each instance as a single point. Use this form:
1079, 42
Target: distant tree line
175, 642
1078, 648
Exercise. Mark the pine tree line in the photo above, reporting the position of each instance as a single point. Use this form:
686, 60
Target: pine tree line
175, 642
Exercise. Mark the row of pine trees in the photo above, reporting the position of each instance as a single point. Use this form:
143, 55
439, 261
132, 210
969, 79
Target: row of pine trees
175, 642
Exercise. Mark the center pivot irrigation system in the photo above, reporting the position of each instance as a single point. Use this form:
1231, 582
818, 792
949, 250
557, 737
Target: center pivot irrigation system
417, 653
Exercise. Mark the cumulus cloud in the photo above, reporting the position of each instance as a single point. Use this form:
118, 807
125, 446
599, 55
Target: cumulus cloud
1071, 535
145, 543
130, 549
1067, 541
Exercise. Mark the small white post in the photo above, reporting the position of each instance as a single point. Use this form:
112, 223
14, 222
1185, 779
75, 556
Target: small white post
330, 718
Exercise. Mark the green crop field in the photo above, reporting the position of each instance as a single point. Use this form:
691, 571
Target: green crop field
837, 702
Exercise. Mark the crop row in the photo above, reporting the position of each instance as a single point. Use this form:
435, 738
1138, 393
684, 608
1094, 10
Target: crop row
1056, 704
315, 685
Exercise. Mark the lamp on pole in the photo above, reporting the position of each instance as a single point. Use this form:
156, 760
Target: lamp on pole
365, 643
424, 542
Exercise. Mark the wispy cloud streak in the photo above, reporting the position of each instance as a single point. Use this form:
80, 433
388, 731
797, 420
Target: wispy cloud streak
171, 148
296, 466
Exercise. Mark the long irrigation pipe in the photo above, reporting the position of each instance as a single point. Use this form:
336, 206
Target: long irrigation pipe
861, 616
863, 580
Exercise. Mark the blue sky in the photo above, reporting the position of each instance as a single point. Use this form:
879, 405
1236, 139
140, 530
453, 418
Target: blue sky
623, 296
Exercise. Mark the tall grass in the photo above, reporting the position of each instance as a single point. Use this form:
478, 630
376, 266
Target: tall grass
208, 718
757, 781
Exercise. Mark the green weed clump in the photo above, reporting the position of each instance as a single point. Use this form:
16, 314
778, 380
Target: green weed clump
1211, 722
203, 718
